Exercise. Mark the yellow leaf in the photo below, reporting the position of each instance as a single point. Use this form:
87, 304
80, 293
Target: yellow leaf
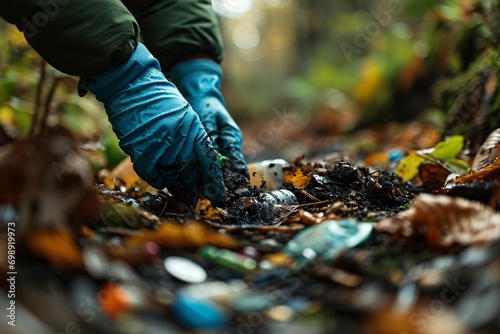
408, 167
6, 114
15, 37
205, 210
297, 179
370, 81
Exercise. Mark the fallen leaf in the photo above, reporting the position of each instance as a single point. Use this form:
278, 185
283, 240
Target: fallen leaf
127, 215
183, 236
449, 148
489, 173
297, 178
308, 218
49, 182
488, 153
57, 247
125, 174
445, 152
205, 210
408, 167
433, 176
445, 222
413, 321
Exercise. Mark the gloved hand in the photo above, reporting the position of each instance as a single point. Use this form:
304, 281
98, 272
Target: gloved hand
158, 128
199, 82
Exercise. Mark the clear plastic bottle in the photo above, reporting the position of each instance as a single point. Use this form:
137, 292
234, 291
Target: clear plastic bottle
266, 207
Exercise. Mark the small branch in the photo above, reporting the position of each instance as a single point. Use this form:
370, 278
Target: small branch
46, 109
38, 100
306, 194
259, 228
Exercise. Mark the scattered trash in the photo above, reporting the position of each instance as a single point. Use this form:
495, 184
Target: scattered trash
268, 174
185, 269
327, 240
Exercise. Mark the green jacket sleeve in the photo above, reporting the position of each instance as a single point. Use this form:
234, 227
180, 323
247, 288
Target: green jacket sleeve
174, 29
76, 37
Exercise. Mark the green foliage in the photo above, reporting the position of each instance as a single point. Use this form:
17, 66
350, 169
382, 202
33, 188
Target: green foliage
444, 153
19, 79
448, 149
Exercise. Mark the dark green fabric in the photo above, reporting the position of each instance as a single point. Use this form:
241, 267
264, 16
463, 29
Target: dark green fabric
84, 37
174, 29
76, 37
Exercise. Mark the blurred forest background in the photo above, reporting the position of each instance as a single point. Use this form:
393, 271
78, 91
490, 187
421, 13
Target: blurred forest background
330, 66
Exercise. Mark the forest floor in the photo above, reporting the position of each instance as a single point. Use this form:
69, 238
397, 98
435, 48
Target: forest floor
345, 246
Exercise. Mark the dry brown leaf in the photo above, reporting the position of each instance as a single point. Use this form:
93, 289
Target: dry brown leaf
492, 172
183, 236
414, 321
445, 222
488, 153
309, 218
49, 182
433, 176
57, 247
125, 173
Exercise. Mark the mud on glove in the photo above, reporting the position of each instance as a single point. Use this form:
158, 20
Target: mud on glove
158, 128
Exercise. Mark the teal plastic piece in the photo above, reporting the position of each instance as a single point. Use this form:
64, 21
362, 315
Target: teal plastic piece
326, 240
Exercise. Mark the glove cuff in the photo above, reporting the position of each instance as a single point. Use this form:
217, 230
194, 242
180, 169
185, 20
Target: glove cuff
116, 76
186, 68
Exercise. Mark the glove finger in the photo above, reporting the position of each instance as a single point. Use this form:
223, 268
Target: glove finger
230, 141
171, 179
209, 120
211, 172
190, 177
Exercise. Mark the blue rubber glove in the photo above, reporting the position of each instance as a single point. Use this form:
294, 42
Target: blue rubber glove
158, 128
199, 82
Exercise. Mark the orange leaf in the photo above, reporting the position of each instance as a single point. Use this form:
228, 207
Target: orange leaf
297, 178
126, 173
486, 174
177, 236
57, 247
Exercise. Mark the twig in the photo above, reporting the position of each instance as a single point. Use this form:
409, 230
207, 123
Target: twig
118, 231
172, 214
306, 194
315, 203
46, 109
259, 228
38, 101
121, 200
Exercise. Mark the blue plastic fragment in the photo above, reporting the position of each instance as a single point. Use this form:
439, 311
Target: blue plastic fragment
198, 313
395, 155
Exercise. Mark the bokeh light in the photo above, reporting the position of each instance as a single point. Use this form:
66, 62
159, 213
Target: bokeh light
246, 36
232, 8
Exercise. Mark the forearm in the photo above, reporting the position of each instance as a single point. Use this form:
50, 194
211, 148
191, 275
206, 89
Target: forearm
176, 30
76, 37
